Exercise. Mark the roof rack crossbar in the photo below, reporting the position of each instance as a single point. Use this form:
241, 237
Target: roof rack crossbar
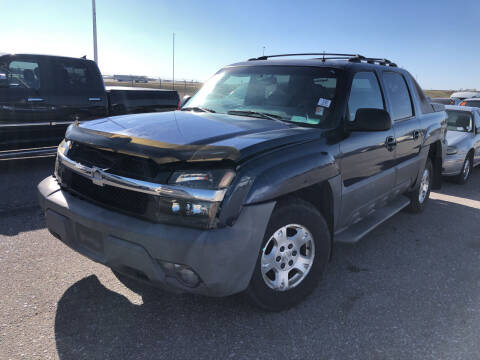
323, 54
333, 56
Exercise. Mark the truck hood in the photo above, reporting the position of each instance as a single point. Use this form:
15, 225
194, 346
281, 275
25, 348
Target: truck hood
188, 136
455, 137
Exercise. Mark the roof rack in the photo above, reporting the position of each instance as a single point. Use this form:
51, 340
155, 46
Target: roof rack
334, 56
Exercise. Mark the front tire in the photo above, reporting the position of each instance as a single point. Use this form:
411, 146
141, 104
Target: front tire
464, 175
419, 197
293, 257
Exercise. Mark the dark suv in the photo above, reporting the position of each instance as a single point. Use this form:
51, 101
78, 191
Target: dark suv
246, 187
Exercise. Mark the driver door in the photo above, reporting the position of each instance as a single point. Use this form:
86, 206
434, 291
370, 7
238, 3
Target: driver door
367, 157
24, 122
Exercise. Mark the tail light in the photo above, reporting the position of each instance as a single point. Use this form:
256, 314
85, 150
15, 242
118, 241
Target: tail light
463, 103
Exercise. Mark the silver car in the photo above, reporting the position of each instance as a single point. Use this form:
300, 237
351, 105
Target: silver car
463, 137
473, 102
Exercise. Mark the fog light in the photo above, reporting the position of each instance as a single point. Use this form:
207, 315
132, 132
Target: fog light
182, 273
188, 277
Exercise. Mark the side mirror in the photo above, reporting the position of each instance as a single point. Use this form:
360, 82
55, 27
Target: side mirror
370, 120
3, 80
185, 100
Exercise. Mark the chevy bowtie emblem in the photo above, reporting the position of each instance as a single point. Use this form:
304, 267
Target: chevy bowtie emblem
97, 177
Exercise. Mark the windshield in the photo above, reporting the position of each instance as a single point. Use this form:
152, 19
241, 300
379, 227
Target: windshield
289, 93
459, 121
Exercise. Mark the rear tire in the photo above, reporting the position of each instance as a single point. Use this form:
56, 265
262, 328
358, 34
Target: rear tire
464, 175
293, 257
419, 197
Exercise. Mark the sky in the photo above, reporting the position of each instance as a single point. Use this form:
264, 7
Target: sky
437, 41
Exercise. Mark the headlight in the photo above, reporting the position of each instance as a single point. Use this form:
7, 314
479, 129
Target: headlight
197, 212
209, 179
451, 150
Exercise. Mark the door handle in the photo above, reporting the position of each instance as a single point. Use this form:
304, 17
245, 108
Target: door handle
94, 99
35, 100
416, 134
390, 143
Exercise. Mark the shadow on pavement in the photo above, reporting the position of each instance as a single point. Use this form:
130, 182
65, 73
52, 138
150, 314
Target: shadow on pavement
93, 322
19, 209
407, 290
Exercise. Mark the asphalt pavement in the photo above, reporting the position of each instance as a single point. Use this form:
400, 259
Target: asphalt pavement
409, 290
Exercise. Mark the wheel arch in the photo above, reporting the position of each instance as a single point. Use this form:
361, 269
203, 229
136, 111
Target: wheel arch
320, 196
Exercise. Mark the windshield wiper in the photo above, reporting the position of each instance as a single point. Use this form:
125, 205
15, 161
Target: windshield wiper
197, 108
256, 114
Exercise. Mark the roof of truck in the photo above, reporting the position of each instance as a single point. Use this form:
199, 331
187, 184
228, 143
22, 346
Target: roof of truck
45, 55
320, 60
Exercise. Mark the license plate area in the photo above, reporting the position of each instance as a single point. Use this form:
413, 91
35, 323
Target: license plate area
90, 241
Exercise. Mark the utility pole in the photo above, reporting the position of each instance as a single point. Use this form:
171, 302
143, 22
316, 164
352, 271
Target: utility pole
173, 71
94, 14
263, 52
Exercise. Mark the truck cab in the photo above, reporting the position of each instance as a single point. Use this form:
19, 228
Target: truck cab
41, 95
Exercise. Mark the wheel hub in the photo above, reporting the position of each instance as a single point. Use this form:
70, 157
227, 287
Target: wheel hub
287, 257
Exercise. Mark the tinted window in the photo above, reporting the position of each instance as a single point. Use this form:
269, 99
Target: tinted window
77, 76
424, 103
397, 92
24, 74
365, 93
473, 103
459, 121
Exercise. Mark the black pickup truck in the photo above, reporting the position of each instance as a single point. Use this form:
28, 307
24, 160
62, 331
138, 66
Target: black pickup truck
41, 95
246, 187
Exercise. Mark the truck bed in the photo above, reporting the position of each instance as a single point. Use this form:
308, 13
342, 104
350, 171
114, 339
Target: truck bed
130, 100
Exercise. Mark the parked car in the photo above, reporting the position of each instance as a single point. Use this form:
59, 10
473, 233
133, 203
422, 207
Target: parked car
41, 95
463, 138
473, 102
247, 190
462, 95
444, 101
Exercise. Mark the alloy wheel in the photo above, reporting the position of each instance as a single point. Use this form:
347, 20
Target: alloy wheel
424, 186
466, 169
287, 257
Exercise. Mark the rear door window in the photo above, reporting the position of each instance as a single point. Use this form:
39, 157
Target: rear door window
24, 75
365, 93
399, 96
77, 76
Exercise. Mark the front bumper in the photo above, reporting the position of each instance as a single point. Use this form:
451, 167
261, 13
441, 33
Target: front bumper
224, 259
452, 165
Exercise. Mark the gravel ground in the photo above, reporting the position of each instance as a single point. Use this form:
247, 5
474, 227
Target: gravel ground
409, 290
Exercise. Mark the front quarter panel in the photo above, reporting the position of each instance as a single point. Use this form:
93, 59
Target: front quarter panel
280, 173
